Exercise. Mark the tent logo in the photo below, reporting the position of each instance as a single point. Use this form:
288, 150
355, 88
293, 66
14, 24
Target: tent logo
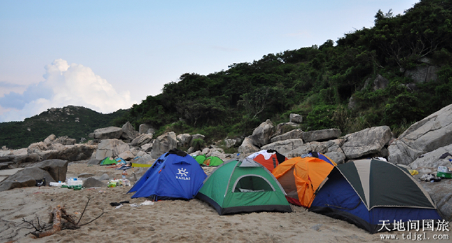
183, 174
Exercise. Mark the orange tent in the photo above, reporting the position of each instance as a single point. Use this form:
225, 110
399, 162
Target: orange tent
300, 178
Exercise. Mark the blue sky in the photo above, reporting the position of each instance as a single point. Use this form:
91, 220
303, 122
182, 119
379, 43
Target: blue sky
107, 55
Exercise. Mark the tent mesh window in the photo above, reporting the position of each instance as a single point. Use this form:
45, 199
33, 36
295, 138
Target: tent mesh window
252, 183
287, 182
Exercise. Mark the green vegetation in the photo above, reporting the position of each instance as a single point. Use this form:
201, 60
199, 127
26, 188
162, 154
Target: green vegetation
317, 82
72, 121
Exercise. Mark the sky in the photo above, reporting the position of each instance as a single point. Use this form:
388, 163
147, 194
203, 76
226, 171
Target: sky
108, 55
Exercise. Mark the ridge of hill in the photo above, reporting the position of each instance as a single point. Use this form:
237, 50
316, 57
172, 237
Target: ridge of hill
72, 121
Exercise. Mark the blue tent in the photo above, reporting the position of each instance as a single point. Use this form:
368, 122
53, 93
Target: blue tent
374, 195
172, 176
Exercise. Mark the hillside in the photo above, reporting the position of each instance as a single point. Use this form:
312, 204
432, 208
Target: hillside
72, 121
367, 78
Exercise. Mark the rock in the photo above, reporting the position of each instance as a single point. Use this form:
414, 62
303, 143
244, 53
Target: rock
197, 136
146, 129
56, 146
337, 157
190, 150
331, 147
295, 118
283, 147
321, 135
366, 142
92, 182
262, 134
147, 147
70, 153
57, 168
65, 140
431, 133
36, 148
441, 194
94, 162
49, 139
380, 82
145, 159
422, 74
103, 177
282, 128
352, 104
141, 153
107, 133
163, 144
141, 140
183, 140
232, 142
294, 134
6, 165
432, 159
126, 155
216, 151
205, 151
247, 147
110, 148
128, 132
26, 178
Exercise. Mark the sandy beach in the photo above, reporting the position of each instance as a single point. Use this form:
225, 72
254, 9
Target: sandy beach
165, 221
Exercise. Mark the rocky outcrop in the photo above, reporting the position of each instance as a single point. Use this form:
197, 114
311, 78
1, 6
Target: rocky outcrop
110, 148
163, 144
247, 147
107, 133
321, 135
366, 142
128, 132
431, 133
262, 134
294, 134
70, 152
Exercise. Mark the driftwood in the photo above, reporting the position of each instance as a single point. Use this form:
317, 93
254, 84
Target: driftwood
59, 220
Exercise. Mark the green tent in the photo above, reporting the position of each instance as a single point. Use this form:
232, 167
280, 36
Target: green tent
241, 187
200, 158
108, 161
212, 161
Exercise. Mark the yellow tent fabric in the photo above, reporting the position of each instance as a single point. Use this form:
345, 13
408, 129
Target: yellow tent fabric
300, 178
140, 165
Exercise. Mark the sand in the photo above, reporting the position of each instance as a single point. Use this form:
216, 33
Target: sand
165, 221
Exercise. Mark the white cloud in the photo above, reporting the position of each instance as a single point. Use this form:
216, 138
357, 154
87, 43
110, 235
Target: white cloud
72, 84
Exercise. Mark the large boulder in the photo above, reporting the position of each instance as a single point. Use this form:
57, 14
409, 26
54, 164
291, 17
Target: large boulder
107, 133
294, 134
184, 140
283, 147
321, 135
26, 178
146, 129
432, 132
128, 132
441, 194
247, 147
366, 142
284, 127
110, 148
49, 139
70, 152
296, 118
163, 144
36, 147
65, 140
141, 140
232, 142
57, 168
126, 155
438, 157
145, 159
262, 134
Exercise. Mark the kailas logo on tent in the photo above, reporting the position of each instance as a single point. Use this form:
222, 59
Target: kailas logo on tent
183, 174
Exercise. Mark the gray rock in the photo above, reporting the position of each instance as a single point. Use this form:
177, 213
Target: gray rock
283, 147
128, 132
337, 157
163, 144
295, 118
432, 132
49, 139
25, 178
232, 142
319, 147
70, 152
145, 159
147, 147
110, 148
380, 82
107, 133
103, 177
183, 140
247, 147
352, 104
146, 129
441, 194
126, 155
36, 147
366, 142
65, 140
57, 168
92, 182
432, 159
422, 74
294, 134
321, 135
282, 128
85, 175
262, 134
141, 140
197, 136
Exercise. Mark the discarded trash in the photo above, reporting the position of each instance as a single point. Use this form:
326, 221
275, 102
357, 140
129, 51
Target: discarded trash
147, 202
119, 206
134, 205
